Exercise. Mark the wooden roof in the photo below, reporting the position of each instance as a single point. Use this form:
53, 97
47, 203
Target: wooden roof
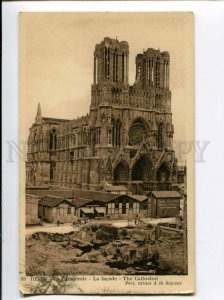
52, 201
166, 194
139, 198
115, 188
81, 202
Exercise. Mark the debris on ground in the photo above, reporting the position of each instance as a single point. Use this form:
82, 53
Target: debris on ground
98, 249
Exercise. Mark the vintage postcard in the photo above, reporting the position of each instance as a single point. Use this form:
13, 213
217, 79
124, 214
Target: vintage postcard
107, 181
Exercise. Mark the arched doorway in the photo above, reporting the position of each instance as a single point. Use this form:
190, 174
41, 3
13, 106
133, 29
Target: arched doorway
163, 177
163, 173
142, 169
121, 172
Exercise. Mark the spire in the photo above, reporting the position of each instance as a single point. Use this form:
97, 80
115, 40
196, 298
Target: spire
38, 116
38, 110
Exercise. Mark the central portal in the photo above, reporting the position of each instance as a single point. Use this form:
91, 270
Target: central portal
142, 170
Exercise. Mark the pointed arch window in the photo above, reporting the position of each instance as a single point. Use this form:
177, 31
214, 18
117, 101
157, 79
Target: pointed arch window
115, 66
160, 137
106, 63
166, 74
53, 139
124, 62
148, 71
144, 71
35, 142
157, 75
121, 172
116, 133
151, 71
95, 79
74, 138
97, 137
52, 170
138, 75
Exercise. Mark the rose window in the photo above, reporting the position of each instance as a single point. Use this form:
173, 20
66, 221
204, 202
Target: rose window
137, 133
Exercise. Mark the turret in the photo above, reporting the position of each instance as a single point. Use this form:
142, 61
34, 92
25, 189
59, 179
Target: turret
111, 61
152, 69
110, 75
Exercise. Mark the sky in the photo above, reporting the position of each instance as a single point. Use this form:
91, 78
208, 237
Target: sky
56, 58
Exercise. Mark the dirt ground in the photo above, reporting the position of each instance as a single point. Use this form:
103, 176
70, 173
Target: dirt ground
64, 228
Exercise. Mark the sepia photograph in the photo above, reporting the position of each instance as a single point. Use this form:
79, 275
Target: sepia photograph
107, 180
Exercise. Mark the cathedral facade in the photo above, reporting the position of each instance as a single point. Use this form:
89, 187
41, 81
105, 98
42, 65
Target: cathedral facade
125, 139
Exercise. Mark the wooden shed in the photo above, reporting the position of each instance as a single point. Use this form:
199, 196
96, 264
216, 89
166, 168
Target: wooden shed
116, 189
164, 204
106, 204
53, 209
122, 205
143, 203
88, 208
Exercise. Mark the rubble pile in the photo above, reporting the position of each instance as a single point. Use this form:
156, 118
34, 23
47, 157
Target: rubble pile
132, 250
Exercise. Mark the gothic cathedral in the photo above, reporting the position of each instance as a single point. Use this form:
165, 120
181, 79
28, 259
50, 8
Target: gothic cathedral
127, 137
